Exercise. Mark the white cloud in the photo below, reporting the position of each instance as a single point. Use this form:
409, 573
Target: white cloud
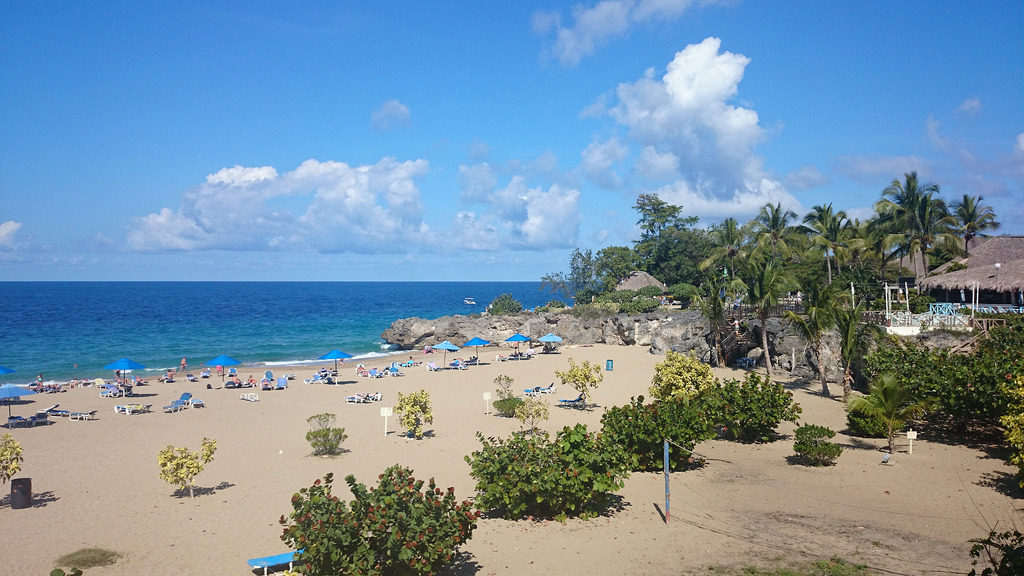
327, 206
594, 26
656, 166
874, 169
599, 160
743, 204
478, 181
391, 115
8, 231
535, 218
1018, 148
970, 106
805, 177
687, 128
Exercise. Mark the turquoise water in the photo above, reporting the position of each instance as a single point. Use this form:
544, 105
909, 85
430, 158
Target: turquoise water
72, 329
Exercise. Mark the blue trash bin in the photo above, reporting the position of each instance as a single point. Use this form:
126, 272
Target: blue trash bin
608, 365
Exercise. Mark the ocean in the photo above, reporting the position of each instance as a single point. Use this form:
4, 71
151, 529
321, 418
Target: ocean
67, 330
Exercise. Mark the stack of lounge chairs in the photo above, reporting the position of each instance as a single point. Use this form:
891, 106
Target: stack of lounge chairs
181, 403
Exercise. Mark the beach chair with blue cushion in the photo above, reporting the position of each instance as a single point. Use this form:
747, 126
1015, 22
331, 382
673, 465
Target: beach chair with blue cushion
15, 421
282, 383
269, 564
578, 402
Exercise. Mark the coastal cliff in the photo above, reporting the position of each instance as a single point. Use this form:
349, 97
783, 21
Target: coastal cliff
679, 330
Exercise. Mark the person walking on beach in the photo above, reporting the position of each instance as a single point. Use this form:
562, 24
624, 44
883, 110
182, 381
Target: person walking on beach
183, 364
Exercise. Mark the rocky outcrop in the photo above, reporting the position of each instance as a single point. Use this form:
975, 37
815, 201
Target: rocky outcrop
679, 330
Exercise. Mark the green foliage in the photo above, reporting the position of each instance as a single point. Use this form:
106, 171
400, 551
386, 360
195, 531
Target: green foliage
860, 423
11, 457
87, 558
324, 438
581, 377
179, 467
507, 407
919, 302
649, 292
532, 412
414, 410
640, 429
751, 410
504, 384
395, 528
533, 476
813, 447
1013, 427
891, 401
1003, 552
683, 293
680, 375
504, 304
59, 572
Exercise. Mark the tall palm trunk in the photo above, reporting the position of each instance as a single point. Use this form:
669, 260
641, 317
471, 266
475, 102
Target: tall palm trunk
764, 346
822, 373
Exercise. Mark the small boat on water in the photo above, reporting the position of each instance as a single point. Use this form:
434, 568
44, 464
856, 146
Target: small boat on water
469, 301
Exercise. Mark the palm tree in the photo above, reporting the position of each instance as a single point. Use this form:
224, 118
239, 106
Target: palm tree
853, 340
767, 285
772, 228
890, 401
710, 300
829, 232
819, 317
974, 218
729, 239
917, 220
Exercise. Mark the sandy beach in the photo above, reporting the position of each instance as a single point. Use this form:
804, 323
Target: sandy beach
96, 483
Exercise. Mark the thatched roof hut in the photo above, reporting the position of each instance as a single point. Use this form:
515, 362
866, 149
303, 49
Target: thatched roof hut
637, 280
995, 265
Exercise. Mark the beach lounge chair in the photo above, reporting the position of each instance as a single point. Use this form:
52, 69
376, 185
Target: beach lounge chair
82, 415
110, 391
39, 418
197, 403
395, 370
576, 403
457, 364
191, 378
53, 411
272, 562
282, 383
15, 421
205, 373
315, 379
250, 396
357, 398
432, 367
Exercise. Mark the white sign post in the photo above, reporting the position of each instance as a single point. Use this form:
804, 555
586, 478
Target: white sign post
385, 411
911, 436
487, 402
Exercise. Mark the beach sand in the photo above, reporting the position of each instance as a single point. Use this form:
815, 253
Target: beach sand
96, 483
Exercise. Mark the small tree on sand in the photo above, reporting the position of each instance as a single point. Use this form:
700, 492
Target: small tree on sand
680, 375
178, 466
532, 412
10, 457
581, 377
324, 437
890, 401
414, 411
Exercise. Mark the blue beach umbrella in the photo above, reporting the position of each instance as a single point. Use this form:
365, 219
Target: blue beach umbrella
335, 355
11, 391
478, 342
446, 346
223, 360
549, 338
5, 370
517, 338
124, 365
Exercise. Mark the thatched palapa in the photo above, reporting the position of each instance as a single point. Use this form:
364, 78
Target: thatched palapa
993, 265
637, 280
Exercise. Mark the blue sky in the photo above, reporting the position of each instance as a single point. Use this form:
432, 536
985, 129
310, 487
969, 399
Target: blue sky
474, 140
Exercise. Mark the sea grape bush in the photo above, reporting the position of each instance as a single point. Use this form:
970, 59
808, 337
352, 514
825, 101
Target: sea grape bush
397, 527
507, 401
535, 476
860, 423
640, 430
504, 304
813, 447
1013, 427
751, 410
11, 457
583, 377
324, 437
680, 375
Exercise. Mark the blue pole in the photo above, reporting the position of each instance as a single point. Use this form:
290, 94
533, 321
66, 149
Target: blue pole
668, 493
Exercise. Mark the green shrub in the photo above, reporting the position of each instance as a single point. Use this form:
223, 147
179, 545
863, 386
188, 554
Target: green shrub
395, 528
640, 306
324, 438
813, 447
1003, 552
504, 304
414, 410
680, 375
506, 407
864, 425
533, 476
640, 430
751, 410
